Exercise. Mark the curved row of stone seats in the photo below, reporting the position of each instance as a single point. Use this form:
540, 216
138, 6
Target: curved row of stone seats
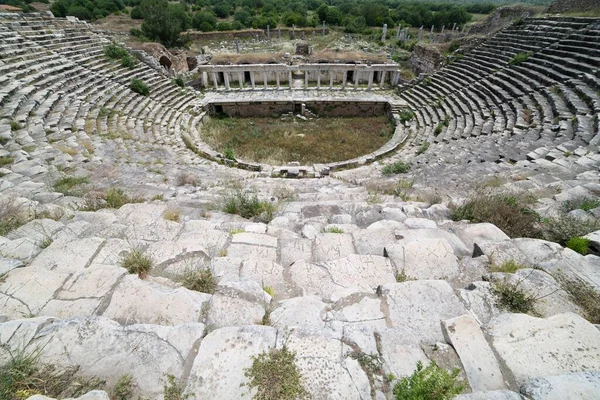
482, 94
78, 83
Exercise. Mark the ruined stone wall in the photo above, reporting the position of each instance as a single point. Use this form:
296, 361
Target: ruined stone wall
323, 109
560, 6
425, 59
500, 18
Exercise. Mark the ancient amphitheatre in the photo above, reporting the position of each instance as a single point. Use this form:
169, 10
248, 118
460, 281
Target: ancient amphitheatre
136, 261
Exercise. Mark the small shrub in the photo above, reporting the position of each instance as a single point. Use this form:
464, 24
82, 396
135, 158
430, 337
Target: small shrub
270, 290
116, 198
15, 126
186, 178
174, 390
128, 62
406, 115
5, 160
509, 267
115, 52
427, 81
65, 185
429, 383
11, 216
172, 214
423, 147
438, 129
275, 376
249, 206
333, 229
46, 242
508, 213
513, 299
136, 262
584, 295
123, 389
579, 244
179, 82
409, 45
563, 228
519, 58
229, 153
199, 280
398, 167
581, 203
138, 86
403, 277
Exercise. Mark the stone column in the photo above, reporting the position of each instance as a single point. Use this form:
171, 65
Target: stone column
384, 33
252, 80
291, 80
226, 79
323, 28
395, 78
420, 34
382, 79
241, 79
277, 79
306, 80
443, 27
237, 45
370, 85
214, 76
398, 33
330, 79
318, 79
454, 27
356, 79
279, 33
268, 32
265, 79
344, 79
293, 31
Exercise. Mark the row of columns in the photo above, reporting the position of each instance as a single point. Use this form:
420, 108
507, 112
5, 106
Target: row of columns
355, 75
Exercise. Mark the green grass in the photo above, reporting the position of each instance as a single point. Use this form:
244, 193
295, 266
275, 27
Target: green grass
333, 229
438, 129
406, 115
66, 185
249, 206
584, 295
582, 203
509, 266
116, 198
11, 216
173, 390
136, 262
15, 126
275, 376
512, 298
429, 383
423, 147
5, 160
402, 276
399, 167
579, 244
277, 142
199, 280
519, 58
138, 86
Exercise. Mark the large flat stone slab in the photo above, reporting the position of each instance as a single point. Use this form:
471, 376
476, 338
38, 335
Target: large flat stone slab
532, 347
424, 259
70, 256
333, 246
574, 386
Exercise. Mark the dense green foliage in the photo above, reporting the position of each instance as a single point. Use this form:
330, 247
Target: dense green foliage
86, 9
138, 86
429, 383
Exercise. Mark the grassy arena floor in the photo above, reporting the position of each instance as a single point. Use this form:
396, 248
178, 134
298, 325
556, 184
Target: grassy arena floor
320, 140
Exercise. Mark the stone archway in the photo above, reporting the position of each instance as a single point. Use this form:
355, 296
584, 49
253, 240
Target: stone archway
165, 62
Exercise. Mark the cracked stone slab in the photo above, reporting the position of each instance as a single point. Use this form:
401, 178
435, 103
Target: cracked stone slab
365, 311
491, 395
333, 246
103, 348
266, 273
25, 291
373, 241
8, 264
23, 249
479, 298
472, 233
499, 252
399, 353
111, 254
418, 307
292, 250
307, 311
411, 235
531, 347
355, 273
575, 386
37, 230
137, 301
68, 256
424, 259
211, 241
218, 371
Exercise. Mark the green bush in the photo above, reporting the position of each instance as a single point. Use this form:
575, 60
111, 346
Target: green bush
508, 213
116, 198
138, 86
249, 206
66, 184
199, 280
275, 376
581, 203
584, 295
438, 129
579, 244
5, 160
429, 383
136, 262
563, 228
423, 147
15, 126
519, 58
398, 167
513, 299
406, 115
179, 82
229, 153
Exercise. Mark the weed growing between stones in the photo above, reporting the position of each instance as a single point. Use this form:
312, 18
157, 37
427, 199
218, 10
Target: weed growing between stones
584, 295
333, 229
11, 216
172, 214
46, 242
275, 376
406, 115
513, 299
399, 167
401, 276
179, 82
371, 364
5, 160
116, 52
509, 266
519, 58
249, 206
136, 262
270, 290
581, 203
116, 198
185, 178
174, 390
24, 376
423, 148
563, 228
67, 184
123, 389
138, 86
429, 383
579, 244
200, 280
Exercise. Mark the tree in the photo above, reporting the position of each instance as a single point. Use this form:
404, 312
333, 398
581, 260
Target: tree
164, 21
204, 21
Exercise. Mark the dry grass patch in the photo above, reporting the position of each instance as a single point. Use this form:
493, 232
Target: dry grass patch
315, 141
172, 214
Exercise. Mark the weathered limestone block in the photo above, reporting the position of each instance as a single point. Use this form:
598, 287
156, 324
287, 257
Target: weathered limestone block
478, 360
532, 347
237, 302
411, 235
8, 264
356, 272
480, 300
499, 252
306, 312
37, 230
23, 249
575, 386
253, 246
424, 259
93, 395
354, 310
373, 241
68, 256
399, 353
292, 250
224, 354
472, 233
491, 395
137, 301
417, 307
332, 246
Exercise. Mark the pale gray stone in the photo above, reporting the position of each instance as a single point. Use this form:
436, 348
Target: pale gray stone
218, 371
576, 386
393, 213
399, 353
292, 250
37, 230
480, 299
365, 312
490, 395
472, 233
420, 223
373, 241
266, 273
499, 252
411, 235
23, 249
424, 259
8, 264
307, 312
418, 307
333, 246
68, 257
531, 347
478, 360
